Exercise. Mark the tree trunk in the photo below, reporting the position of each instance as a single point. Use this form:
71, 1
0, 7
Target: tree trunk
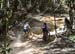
71, 17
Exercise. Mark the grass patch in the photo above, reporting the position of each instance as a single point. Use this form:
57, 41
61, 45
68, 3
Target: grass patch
72, 38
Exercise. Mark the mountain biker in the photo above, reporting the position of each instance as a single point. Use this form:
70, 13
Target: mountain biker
26, 28
45, 31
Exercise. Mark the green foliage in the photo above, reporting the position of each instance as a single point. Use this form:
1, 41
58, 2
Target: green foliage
69, 2
4, 48
72, 38
49, 3
15, 4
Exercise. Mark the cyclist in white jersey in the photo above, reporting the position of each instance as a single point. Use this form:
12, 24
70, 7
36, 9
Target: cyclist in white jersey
26, 28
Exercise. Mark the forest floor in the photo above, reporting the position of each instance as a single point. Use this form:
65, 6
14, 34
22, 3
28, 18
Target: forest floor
35, 44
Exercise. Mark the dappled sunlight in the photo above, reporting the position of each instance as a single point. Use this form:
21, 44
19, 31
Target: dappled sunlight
31, 51
29, 46
20, 44
27, 51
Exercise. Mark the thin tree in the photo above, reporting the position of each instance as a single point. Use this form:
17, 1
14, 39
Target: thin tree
70, 4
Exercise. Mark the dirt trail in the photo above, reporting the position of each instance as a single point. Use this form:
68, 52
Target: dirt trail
37, 46
33, 46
